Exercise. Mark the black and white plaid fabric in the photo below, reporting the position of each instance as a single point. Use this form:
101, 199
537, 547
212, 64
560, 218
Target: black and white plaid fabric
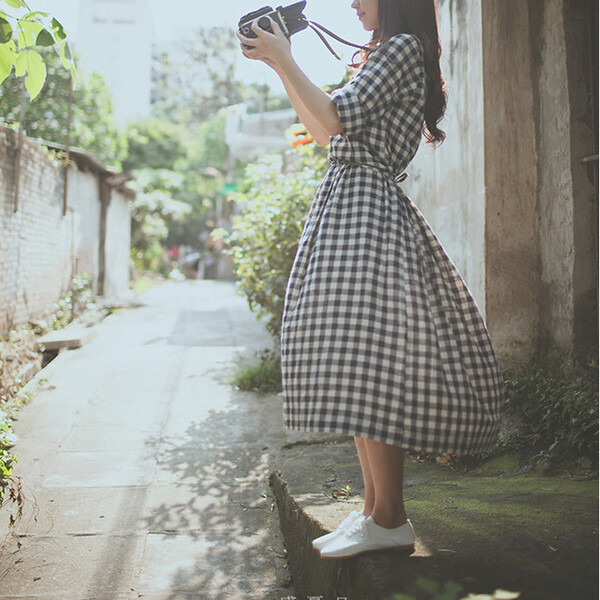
381, 337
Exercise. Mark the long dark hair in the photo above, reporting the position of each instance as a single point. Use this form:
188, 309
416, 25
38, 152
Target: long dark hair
418, 17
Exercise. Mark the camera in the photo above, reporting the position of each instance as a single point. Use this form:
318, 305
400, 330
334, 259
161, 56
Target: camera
289, 18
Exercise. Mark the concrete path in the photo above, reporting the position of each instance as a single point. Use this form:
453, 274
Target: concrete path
146, 474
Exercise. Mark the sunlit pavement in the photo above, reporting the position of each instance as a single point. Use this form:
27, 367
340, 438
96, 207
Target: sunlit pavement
145, 472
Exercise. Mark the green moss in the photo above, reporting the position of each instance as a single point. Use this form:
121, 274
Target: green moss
501, 464
498, 509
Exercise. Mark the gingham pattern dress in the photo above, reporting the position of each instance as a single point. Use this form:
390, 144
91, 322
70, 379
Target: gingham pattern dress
381, 337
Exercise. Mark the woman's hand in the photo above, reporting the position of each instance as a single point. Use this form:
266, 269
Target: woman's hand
270, 48
314, 107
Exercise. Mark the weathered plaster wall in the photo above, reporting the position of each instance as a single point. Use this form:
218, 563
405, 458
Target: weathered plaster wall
507, 193
84, 211
562, 82
581, 40
555, 185
41, 249
511, 224
448, 183
118, 240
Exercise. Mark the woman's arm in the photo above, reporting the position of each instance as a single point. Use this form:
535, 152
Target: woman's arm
314, 127
314, 107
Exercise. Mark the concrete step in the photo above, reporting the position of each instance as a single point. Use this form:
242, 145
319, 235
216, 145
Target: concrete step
484, 530
69, 337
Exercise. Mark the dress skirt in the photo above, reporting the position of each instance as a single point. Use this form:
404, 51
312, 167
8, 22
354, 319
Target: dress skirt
381, 337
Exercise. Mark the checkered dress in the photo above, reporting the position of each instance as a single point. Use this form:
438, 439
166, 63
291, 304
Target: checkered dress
381, 337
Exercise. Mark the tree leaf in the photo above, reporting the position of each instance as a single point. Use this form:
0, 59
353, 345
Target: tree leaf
7, 59
66, 56
31, 62
5, 31
44, 38
58, 29
16, 3
35, 13
28, 32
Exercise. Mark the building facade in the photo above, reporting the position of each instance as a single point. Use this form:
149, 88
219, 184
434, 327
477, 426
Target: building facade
115, 39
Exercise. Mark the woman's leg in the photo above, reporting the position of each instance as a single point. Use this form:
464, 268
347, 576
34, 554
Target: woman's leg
386, 468
363, 457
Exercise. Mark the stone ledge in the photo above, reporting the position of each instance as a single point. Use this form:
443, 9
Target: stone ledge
69, 337
485, 530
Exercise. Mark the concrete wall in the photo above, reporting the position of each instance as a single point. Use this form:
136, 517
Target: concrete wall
541, 282
448, 183
118, 239
511, 227
507, 193
580, 19
41, 249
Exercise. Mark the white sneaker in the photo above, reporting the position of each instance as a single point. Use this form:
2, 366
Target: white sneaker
365, 535
320, 542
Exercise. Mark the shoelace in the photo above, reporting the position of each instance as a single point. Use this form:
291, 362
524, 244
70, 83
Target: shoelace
348, 519
357, 527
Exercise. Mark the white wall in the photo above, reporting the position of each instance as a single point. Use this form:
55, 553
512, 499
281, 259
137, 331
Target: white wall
448, 183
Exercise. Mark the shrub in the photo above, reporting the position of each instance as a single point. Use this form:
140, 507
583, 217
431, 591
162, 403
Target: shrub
274, 204
262, 377
553, 416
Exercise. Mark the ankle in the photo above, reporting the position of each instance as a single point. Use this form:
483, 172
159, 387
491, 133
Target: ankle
389, 519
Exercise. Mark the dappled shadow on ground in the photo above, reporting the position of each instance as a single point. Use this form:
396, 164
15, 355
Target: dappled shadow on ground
210, 519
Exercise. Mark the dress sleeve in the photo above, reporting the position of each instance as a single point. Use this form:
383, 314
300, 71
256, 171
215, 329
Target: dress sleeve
392, 72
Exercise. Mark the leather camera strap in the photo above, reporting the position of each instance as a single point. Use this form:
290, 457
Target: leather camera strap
317, 26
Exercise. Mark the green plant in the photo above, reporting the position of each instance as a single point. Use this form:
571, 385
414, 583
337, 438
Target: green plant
7, 459
93, 126
261, 377
453, 591
274, 204
552, 416
344, 493
21, 35
73, 303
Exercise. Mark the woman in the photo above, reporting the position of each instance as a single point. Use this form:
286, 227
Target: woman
381, 339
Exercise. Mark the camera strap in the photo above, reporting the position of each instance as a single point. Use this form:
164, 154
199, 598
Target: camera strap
319, 30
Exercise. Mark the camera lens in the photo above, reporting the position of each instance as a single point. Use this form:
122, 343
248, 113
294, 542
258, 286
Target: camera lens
264, 24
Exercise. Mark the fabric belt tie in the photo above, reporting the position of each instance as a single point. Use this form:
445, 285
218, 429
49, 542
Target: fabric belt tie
394, 178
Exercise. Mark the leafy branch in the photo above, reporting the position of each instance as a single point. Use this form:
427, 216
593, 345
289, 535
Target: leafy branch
20, 36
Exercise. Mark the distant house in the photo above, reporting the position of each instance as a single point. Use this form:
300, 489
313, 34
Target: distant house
251, 135
115, 39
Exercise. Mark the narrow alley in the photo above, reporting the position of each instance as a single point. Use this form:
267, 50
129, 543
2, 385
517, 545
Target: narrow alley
145, 473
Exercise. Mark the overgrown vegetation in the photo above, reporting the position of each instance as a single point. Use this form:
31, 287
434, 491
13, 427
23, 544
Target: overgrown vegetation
93, 127
17, 351
7, 459
262, 376
274, 203
551, 418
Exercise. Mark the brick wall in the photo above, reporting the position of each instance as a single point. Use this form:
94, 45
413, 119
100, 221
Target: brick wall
41, 249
